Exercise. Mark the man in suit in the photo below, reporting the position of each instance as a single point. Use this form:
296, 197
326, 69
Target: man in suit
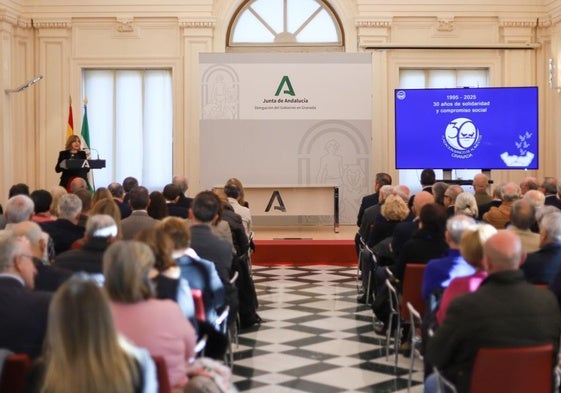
23, 312
184, 200
172, 193
382, 179
48, 277
543, 265
506, 311
139, 218
450, 196
549, 188
65, 230
203, 211
527, 184
118, 193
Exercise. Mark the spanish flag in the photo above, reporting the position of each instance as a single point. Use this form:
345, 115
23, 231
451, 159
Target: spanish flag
70, 125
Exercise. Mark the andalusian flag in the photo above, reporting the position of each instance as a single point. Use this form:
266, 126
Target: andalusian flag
85, 136
70, 125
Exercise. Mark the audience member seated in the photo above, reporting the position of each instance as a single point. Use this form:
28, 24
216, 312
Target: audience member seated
42, 200
204, 210
450, 196
221, 228
405, 230
56, 193
109, 207
381, 179
549, 188
200, 273
83, 352
157, 325
438, 191
233, 192
427, 180
425, 244
522, 218
166, 274
393, 211
86, 198
495, 202
234, 220
101, 231
440, 271
535, 197
19, 208
505, 311
527, 184
500, 216
542, 266
480, 186
471, 248
371, 213
48, 278
101, 193
466, 205
183, 184
129, 183
117, 193
23, 312
18, 189
139, 218
78, 183
171, 193
65, 230
158, 208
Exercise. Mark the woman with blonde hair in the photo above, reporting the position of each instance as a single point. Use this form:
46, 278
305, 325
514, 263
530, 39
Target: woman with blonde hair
101, 193
56, 193
82, 351
471, 248
72, 151
108, 206
157, 325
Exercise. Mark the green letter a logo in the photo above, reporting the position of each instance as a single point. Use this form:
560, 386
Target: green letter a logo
289, 89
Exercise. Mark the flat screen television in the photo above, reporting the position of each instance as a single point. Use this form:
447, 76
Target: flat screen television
467, 128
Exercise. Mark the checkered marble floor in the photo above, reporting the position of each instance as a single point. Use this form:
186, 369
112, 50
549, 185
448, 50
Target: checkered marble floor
315, 337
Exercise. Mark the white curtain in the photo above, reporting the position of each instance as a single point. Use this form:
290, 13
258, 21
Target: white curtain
131, 123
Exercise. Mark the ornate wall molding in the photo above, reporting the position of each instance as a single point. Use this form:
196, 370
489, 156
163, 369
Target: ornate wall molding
525, 23
197, 23
445, 24
373, 23
52, 24
125, 25
16, 21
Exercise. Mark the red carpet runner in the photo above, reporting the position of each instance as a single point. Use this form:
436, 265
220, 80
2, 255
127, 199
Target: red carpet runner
304, 252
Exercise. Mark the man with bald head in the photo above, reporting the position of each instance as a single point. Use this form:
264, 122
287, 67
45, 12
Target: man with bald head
480, 186
506, 311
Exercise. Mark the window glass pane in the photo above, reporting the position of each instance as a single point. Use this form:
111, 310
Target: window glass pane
250, 29
323, 28
412, 79
442, 78
320, 29
298, 11
271, 11
473, 78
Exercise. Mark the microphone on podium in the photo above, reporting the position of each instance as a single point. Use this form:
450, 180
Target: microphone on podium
90, 150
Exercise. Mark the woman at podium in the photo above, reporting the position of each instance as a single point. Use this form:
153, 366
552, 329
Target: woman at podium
70, 162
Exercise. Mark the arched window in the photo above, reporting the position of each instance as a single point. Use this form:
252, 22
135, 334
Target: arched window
290, 24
